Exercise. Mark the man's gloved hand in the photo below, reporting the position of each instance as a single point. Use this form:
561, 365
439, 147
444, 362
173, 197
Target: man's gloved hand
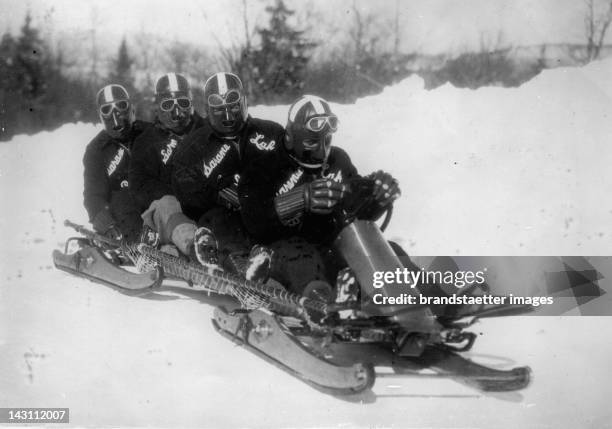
319, 196
386, 188
114, 234
322, 195
228, 197
103, 221
104, 224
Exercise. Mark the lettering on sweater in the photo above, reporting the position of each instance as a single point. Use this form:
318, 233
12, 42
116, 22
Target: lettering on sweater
291, 182
257, 140
115, 162
208, 168
167, 152
334, 177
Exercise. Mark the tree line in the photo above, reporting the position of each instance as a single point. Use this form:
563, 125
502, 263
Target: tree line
39, 89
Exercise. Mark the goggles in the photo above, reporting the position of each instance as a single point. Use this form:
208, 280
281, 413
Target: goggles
233, 96
168, 104
120, 106
318, 123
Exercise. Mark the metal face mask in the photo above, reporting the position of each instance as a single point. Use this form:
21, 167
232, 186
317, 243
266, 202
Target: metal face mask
309, 130
312, 151
174, 102
115, 110
226, 104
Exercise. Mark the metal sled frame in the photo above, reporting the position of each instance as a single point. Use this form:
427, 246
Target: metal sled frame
90, 263
263, 334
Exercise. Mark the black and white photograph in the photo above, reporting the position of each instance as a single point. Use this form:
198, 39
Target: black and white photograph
306, 213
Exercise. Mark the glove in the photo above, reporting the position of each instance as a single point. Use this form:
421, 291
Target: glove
228, 198
386, 188
104, 224
114, 234
322, 195
103, 221
319, 196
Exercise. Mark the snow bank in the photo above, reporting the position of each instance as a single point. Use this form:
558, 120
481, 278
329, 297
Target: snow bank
493, 171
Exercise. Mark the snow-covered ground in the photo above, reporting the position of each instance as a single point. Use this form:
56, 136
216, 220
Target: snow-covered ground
488, 172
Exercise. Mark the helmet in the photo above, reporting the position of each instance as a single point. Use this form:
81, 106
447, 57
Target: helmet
174, 102
115, 110
226, 103
309, 131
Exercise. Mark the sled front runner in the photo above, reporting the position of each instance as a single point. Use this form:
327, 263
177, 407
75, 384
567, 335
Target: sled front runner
89, 262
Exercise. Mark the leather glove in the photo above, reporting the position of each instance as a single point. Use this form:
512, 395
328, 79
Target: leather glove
228, 198
386, 188
103, 221
319, 196
114, 234
322, 195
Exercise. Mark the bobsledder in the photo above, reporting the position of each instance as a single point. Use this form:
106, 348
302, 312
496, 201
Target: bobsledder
333, 346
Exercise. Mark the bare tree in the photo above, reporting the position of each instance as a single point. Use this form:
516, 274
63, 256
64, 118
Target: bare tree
227, 54
370, 33
358, 32
235, 54
493, 42
146, 60
596, 23
94, 76
247, 53
245, 20
396, 30
365, 35
178, 55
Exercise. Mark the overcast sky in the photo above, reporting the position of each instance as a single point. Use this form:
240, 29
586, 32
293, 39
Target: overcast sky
429, 26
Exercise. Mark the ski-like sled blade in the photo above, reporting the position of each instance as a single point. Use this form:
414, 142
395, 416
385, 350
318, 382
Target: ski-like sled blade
448, 363
442, 360
502, 311
90, 263
262, 333
469, 318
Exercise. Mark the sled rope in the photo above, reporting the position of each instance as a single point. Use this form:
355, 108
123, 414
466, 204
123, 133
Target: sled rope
251, 295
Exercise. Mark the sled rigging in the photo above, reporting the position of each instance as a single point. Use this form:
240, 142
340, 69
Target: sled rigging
307, 337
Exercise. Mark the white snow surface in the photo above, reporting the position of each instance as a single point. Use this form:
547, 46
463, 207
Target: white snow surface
523, 171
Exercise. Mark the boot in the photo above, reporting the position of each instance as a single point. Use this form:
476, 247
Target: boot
347, 292
205, 246
347, 288
149, 236
259, 264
